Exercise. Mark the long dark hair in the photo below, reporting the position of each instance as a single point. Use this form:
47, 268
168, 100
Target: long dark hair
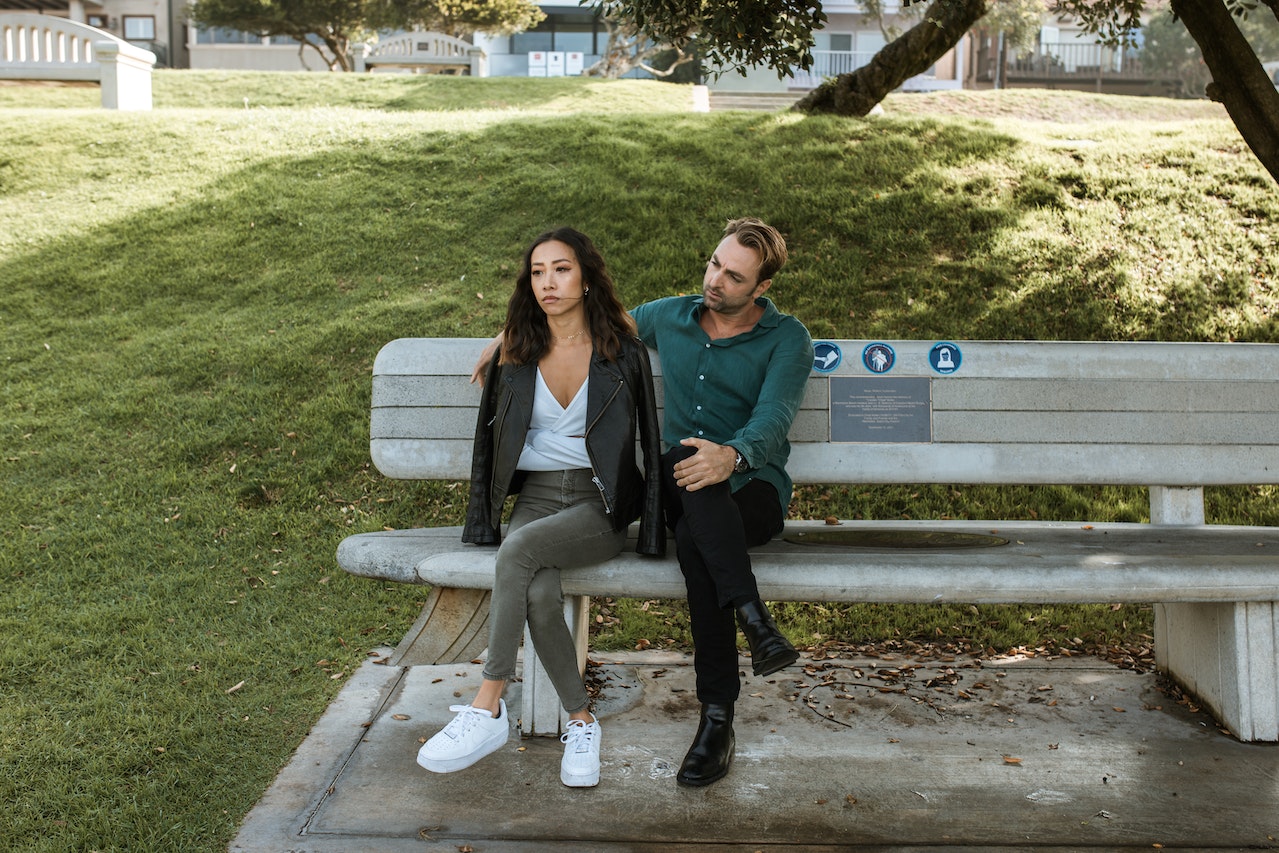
527, 336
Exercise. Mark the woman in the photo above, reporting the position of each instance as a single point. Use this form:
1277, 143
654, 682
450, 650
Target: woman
562, 401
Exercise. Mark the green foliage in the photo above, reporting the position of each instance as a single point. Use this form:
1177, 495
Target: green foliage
332, 26
460, 18
1019, 20
193, 299
732, 36
1167, 47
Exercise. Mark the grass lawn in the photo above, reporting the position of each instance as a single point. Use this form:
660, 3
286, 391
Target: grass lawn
192, 299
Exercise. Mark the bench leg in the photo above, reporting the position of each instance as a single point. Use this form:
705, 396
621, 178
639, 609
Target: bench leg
452, 627
1227, 655
541, 712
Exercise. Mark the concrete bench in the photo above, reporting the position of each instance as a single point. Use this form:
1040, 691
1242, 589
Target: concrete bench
1170, 417
43, 47
431, 53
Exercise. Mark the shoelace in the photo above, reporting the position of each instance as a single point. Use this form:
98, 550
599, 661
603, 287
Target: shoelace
580, 734
466, 719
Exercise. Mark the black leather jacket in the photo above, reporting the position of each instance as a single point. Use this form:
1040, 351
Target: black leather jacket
619, 399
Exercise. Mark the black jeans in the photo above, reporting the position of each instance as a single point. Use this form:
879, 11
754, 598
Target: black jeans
713, 528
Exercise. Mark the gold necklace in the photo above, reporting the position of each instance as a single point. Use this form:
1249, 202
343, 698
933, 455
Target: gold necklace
570, 337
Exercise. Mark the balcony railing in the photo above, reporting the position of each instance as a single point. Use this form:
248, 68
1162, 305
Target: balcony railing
832, 63
1075, 59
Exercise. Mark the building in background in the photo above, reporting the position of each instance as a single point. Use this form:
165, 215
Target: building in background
572, 38
157, 25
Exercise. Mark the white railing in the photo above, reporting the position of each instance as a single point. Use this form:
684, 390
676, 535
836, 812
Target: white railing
1075, 58
832, 63
44, 47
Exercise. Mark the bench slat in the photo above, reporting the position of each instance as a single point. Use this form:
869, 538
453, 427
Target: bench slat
1094, 427
968, 427
1102, 395
1035, 464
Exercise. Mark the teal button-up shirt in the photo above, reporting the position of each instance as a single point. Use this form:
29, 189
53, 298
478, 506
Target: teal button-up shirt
741, 391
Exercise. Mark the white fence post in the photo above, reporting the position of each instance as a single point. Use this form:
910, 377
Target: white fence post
126, 75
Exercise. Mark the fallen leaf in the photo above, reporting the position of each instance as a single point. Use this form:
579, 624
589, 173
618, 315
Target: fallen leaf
1009, 759
400, 717
235, 688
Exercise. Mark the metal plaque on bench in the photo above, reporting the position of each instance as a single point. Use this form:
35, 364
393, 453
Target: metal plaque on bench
880, 408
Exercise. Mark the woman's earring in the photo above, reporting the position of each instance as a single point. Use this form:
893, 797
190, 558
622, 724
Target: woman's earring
585, 290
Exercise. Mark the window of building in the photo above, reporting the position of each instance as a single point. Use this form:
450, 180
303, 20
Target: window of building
539, 38
99, 21
562, 32
841, 41
575, 33
225, 35
139, 27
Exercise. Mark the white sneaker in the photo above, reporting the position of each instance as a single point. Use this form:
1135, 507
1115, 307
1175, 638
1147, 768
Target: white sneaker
580, 767
473, 734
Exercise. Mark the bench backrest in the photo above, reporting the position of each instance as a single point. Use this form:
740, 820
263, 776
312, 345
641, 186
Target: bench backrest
423, 46
45, 47
1137, 413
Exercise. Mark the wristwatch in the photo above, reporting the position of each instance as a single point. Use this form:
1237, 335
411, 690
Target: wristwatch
740, 465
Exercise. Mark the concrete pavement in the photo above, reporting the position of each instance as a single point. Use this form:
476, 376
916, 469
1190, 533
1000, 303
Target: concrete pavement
867, 754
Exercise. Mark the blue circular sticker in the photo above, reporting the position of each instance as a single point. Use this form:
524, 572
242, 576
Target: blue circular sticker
826, 356
945, 357
879, 357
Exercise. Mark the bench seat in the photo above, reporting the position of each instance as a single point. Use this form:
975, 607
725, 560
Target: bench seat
1042, 563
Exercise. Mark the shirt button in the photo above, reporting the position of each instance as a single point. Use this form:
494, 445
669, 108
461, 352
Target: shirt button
700, 432
699, 408
708, 346
701, 376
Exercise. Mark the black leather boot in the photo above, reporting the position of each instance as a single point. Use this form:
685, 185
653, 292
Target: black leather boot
711, 754
770, 651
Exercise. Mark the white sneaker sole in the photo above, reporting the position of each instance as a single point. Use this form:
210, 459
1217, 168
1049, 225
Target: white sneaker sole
579, 780
452, 765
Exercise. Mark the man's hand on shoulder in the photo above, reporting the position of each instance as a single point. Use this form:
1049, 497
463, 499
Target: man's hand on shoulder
711, 464
481, 366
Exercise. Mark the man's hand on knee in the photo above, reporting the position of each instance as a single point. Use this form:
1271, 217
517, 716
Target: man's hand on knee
711, 464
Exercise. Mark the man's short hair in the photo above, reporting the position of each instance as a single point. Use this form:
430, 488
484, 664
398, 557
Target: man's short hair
763, 238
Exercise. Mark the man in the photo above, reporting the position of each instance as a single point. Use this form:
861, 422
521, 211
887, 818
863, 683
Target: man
734, 370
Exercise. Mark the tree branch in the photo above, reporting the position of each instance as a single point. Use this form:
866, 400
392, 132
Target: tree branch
857, 93
1239, 82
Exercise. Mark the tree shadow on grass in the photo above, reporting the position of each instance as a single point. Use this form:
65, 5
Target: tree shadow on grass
280, 282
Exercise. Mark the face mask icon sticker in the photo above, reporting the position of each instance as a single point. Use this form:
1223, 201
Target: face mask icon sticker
945, 357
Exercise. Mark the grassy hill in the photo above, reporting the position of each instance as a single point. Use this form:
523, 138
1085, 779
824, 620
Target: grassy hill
192, 299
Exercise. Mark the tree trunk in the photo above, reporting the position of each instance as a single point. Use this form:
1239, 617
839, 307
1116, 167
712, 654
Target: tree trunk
1239, 82
912, 53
